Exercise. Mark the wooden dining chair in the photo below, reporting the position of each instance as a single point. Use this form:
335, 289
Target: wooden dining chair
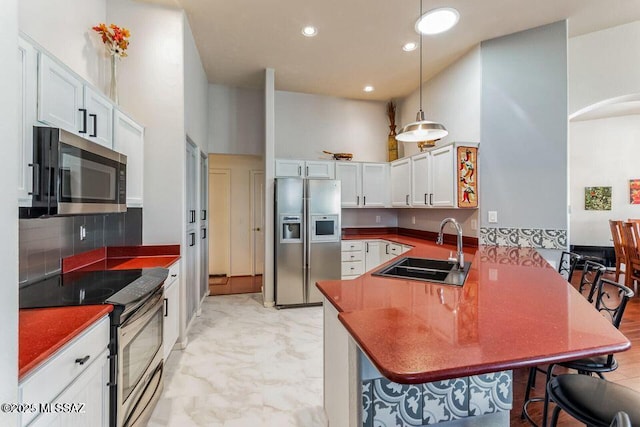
631, 239
618, 247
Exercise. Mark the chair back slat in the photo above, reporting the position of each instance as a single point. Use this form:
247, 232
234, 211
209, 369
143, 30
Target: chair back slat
567, 264
618, 239
591, 273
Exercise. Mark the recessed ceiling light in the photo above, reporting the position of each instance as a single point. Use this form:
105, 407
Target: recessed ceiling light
369, 89
408, 47
437, 20
309, 31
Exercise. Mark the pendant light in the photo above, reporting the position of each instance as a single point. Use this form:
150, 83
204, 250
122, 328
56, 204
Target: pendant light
422, 130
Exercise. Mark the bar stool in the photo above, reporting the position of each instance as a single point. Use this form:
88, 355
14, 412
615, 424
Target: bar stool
591, 272
594, 401
567, 265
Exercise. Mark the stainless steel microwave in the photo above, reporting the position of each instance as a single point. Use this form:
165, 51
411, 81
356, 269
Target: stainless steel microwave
72, 175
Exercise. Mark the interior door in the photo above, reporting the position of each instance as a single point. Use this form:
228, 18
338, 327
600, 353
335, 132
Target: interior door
257, 181
219, 225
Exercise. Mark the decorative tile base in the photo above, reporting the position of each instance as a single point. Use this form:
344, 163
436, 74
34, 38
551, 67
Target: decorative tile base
524, 237
385, 403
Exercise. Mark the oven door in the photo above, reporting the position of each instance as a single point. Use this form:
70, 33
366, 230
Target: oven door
139, 381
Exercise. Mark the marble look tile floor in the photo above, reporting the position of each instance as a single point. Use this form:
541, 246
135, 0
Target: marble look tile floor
244, 366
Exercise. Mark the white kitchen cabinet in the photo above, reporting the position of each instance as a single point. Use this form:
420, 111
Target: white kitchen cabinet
27, 116
100, 117
350, 177
171, 325
372, 254
128, 139
363, 184
60, 96
77, 373
353, 260
395, 249
420, 179
291, 168
443, 177
401, 182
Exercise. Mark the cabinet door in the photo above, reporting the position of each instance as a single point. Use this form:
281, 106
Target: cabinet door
395, 249
420, 179
375, 184
372, 255
99, 117
60, 96
351, 181
320, 169
129, 140
443, 177
286, 168
171, 327
27, 112
401, 182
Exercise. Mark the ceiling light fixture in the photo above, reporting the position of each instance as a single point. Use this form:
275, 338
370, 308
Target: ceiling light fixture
368, 89
309, 31
408, 47
421, 129
437, 21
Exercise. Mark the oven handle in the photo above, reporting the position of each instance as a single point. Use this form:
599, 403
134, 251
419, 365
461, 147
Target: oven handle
144, 313
147, 400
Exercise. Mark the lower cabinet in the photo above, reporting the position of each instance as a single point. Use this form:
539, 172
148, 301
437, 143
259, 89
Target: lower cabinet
361, 256
171, 326
71, 388
352, 259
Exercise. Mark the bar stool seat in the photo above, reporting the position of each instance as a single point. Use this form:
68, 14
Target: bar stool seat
592, 400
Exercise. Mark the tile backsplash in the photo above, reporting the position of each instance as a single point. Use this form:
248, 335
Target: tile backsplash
43, 242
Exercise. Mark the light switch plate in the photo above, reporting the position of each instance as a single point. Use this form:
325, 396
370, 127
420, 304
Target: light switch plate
493, 217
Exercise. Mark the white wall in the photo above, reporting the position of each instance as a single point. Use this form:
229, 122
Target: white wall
430, 219
452, 98
602, 153
151, 86
236, 120
307, 124
369, 218
9, 209
63, 27
196, 99
604, 65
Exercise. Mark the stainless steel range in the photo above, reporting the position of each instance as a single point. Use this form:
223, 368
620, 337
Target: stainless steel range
135, 347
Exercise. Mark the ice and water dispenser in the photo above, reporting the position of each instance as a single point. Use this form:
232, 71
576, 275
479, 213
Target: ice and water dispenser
291, 229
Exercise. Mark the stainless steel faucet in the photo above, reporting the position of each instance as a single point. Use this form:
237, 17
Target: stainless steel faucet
460, 254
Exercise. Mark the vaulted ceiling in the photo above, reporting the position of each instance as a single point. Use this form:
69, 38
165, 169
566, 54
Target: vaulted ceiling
359, 42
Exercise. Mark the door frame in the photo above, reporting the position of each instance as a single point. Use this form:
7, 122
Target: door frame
254, 192
227, 172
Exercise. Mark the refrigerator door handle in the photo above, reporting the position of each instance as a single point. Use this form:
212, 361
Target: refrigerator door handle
306, 252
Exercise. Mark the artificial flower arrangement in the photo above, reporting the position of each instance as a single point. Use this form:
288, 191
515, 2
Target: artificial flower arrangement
116, 39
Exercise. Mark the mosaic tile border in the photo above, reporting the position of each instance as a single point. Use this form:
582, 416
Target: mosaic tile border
538, 238
385, 403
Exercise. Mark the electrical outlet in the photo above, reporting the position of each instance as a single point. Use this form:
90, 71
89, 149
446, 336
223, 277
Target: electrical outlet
413, 219
83, 232
474, 224
493, 217
378, 219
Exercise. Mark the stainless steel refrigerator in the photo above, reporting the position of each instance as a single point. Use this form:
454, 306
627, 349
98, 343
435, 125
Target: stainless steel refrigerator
307, 241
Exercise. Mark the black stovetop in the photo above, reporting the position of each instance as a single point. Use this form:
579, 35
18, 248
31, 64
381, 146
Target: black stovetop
83, 288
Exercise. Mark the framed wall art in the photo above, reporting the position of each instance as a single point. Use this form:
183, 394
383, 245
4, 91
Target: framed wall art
634, 191
467, 177
597, 198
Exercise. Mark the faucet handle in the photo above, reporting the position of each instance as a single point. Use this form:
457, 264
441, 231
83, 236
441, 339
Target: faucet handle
439, 240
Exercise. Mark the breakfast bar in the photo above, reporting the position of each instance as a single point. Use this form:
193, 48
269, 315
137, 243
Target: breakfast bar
418, 353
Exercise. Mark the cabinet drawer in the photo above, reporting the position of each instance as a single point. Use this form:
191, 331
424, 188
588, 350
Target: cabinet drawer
352, 256
395, 249
352, 268
352, 245
47, 381
350, 277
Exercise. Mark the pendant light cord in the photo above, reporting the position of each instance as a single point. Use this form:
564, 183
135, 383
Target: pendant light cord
420, 59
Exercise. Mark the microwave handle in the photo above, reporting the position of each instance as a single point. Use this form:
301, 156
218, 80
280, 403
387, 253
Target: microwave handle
36, 179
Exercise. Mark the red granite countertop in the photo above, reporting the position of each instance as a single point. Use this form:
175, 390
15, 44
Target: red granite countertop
513, 311
42, 331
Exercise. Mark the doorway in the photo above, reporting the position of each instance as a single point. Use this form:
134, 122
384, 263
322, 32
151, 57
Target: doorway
237, 224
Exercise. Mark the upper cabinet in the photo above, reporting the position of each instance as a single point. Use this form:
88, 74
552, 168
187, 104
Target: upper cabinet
443, 177
129, 140
291, 168
65, 101
50, 94
363, 184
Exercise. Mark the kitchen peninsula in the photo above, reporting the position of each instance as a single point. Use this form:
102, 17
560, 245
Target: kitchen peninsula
416, 353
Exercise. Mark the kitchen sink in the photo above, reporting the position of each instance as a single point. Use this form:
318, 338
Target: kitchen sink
427, 270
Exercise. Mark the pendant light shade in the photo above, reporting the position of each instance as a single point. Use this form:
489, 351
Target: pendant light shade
421, 129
